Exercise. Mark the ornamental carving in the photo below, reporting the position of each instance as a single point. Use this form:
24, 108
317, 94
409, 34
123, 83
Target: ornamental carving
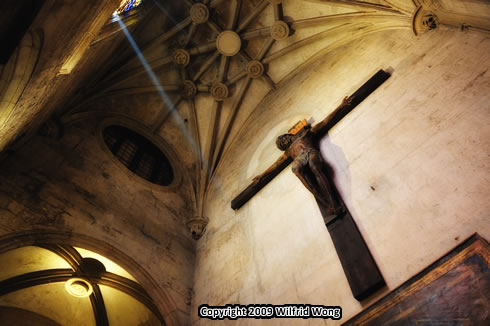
430, 21
228, 43
423, 21
279, 30
181, 57
197, 226
199, 13
255, 69
189, 89
219, 91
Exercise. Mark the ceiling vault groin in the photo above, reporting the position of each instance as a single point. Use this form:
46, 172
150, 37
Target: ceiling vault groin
215, 50
80, 269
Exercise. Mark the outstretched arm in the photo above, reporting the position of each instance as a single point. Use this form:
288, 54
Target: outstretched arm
273, 167
319, 126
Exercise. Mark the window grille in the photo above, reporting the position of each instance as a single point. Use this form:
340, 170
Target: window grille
139, 155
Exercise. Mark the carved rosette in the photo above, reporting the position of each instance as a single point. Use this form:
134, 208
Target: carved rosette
197, 226
279, 30
255, 69
189, 89
423, 21
199, 13
219, 91
181, 57
228, 43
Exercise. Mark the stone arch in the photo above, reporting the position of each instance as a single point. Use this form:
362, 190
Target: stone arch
34, 237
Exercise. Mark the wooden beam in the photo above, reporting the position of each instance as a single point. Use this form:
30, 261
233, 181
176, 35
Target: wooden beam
360, 95
254, 188
370, 86
360, 269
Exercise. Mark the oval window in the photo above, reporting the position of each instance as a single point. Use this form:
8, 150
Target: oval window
139, 155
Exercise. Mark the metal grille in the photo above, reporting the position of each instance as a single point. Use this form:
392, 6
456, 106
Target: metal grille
139, 155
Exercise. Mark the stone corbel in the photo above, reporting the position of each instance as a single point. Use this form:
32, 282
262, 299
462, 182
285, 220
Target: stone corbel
424, 20
431, 13
197, 226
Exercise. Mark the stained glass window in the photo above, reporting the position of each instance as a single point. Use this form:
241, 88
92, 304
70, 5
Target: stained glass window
126, 6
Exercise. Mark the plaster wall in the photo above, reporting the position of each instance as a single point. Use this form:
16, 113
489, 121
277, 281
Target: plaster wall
411, 163
74, 185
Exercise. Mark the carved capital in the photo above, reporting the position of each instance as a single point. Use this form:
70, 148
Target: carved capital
423, 21
255, 69
199, 13
189, 89
197, 226
219, 91
181, 57
279, 30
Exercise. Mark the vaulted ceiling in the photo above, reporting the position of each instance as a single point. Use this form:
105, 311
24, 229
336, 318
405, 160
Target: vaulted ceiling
189, 73
192, 72
70, 285
214, 63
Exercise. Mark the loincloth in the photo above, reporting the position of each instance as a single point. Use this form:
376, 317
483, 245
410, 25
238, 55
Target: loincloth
304, 158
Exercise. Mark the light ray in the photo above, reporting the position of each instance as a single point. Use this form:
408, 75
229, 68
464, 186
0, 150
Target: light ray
154, 79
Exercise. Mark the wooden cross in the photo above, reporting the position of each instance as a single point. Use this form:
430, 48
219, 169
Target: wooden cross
359, 266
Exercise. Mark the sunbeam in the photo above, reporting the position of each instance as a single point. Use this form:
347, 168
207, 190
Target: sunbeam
157, 85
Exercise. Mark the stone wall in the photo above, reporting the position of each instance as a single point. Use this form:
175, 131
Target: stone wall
75, 186
411, 163
61, 31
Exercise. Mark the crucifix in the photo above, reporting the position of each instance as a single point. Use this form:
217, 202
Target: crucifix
300, 148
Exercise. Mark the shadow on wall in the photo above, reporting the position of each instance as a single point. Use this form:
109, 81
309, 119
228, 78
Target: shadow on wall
337, 163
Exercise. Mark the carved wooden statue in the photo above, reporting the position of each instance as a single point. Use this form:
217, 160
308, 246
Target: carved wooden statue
308, 164
300, 148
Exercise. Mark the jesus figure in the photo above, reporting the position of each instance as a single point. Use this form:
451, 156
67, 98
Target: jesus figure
308, 164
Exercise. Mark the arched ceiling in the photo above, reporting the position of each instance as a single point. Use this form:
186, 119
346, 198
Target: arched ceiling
216, 60
35, 279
